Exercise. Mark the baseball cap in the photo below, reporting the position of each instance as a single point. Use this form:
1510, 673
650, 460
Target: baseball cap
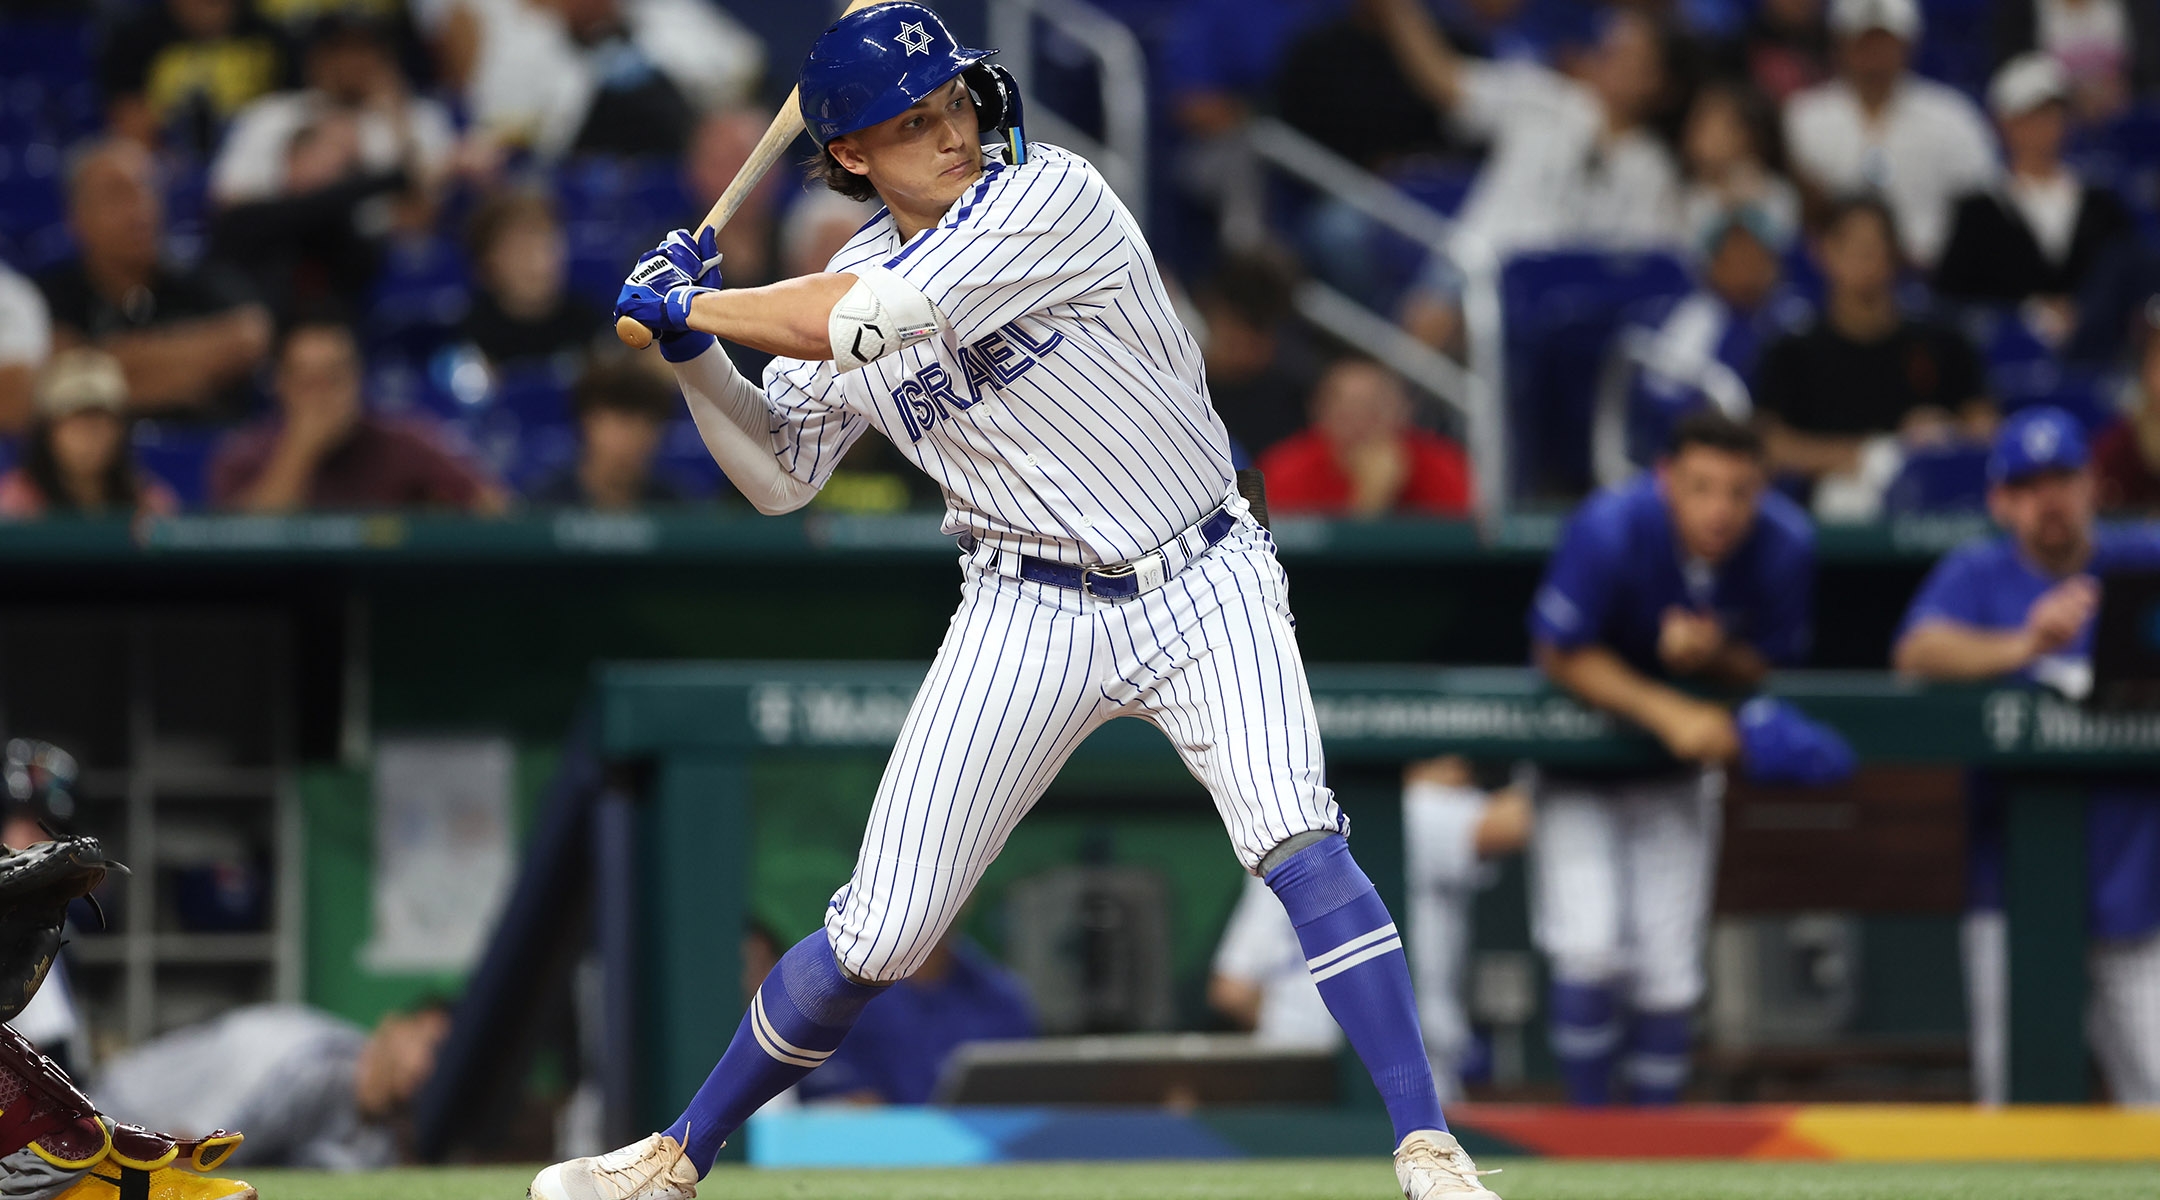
2025, 83
2034, 440
1851, 18
80, 379
1764, 222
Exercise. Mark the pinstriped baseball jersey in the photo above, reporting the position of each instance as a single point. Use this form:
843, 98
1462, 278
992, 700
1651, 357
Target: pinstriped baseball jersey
1063, 409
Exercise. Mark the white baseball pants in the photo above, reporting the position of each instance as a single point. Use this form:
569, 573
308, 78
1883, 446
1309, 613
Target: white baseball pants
1621, 879
1027, 670
2122, 1015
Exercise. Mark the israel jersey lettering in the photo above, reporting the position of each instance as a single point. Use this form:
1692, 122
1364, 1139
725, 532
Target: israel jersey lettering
1063, 410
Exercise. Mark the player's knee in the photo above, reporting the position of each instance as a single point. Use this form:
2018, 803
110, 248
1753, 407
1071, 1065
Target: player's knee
876, 961
1288, 848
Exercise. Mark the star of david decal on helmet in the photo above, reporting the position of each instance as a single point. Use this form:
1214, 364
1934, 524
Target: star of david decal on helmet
914, 38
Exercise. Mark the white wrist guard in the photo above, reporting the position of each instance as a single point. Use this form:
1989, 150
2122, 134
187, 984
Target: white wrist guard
882, 314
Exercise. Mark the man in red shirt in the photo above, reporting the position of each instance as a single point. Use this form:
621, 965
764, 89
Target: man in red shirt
324, 450
1362, 457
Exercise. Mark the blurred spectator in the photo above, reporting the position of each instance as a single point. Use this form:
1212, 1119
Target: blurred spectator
622, 410
1259, 370
309, 1089
895, 1051
325, 451
1734, 160
718, 149
2126, 455
1363, 457
1878, 127
593, 75
183, 67
25, 341
2023, 606
2109, 49
2035, 236
1786, 47
188, 338
1573, 162
1699, 350
522, 312
314, 243
351, 72
817, 228
1842, 399
1344, 88
76, 457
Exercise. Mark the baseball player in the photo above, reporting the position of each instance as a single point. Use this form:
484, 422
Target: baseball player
2022, 607
1694, 574
1002, 323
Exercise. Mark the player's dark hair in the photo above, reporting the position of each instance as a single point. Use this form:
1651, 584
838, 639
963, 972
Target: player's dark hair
625, 387
1714, 430
826, 169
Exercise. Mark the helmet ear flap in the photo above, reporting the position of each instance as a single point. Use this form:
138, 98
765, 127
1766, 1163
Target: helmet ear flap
997, 106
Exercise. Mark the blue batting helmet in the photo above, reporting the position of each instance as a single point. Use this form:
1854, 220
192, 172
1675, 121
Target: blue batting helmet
876, 62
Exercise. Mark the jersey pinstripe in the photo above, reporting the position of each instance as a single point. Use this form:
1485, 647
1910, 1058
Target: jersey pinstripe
1064, 408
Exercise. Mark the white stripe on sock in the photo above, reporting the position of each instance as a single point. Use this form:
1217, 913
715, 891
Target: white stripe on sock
1350, 947
1372, 952
770, 1040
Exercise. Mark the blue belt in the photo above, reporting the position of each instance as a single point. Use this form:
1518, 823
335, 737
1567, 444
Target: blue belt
1123, 581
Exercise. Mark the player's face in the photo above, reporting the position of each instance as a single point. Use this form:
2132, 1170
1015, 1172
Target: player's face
923, 159
1713, 495
2050, 515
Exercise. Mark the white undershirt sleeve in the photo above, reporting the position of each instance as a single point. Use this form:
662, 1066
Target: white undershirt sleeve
733, 420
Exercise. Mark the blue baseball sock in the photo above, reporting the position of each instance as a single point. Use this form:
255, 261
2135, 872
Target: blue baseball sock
1656, 1066
795, 1022
1586, 1039
1356, 957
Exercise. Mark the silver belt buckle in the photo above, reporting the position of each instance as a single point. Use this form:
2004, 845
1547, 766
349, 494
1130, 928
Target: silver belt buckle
1147, 571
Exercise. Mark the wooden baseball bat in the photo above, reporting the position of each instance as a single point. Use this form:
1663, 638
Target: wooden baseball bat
787, 125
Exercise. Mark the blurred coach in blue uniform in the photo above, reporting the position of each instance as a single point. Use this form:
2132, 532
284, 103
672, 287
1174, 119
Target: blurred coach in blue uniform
2022, 606
1698, 576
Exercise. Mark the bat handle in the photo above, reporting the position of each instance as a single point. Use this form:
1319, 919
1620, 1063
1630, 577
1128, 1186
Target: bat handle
632, 333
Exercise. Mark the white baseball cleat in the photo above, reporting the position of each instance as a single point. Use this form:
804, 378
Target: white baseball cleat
654, 1169
1432, 1165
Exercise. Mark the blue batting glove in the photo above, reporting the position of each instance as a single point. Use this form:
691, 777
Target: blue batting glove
661, 288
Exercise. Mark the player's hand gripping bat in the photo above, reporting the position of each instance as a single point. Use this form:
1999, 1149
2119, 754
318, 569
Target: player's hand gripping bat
787, 125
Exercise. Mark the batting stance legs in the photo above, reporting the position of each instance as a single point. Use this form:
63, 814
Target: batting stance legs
1027, 670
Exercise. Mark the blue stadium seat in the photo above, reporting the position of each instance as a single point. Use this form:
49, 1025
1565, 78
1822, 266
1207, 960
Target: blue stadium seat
1950, 479
2125, 155
421, 293
1560, 312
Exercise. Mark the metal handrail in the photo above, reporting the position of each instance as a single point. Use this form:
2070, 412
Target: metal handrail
1473, 392
1121, 72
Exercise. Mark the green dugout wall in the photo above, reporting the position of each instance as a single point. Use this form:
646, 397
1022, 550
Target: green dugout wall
706, 728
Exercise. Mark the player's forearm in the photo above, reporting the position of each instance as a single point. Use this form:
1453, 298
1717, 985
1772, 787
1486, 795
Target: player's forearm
1603, 680
1950, 652
730, 414
791, 319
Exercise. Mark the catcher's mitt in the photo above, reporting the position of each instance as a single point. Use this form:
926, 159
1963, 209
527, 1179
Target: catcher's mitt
36, 886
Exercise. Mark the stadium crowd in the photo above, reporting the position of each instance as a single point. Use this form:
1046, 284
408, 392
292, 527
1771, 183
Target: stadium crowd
270, 255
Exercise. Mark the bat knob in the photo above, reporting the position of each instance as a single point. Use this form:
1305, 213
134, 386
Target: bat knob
632, 333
